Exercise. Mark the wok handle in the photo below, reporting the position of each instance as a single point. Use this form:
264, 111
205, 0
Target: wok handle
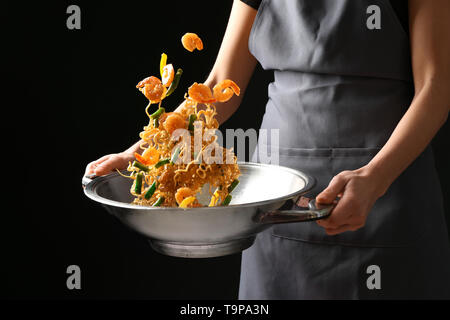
86, 179
313, 212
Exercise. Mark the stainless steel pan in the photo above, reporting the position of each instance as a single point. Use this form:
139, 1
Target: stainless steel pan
212, 231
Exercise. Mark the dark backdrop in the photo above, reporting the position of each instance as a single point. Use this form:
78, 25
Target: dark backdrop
70, 98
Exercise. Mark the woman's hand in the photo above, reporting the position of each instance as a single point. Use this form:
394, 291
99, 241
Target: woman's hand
358, 190
108, 163
429, 25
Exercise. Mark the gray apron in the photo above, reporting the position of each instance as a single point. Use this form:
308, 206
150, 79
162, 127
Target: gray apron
339, 90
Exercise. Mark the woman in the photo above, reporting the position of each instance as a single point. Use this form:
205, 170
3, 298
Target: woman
357, 98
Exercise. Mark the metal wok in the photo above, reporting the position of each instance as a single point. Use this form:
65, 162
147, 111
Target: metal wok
212, 231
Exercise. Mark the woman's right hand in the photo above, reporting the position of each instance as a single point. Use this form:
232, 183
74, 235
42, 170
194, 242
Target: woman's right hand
108, 163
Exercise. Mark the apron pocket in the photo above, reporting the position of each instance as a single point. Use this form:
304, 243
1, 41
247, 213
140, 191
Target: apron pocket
397, 219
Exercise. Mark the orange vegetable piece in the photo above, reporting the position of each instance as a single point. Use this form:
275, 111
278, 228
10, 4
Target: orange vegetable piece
183, 193
168, 75
200, 93
191, 41
173, 122
224, 90
149, 157
152, 88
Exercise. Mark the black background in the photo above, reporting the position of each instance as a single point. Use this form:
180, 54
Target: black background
70, 98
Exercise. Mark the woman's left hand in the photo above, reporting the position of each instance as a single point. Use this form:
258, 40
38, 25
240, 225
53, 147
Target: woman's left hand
358, 190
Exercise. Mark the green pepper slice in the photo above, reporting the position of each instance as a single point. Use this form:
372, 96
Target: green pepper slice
175, 82
140, 166
150, 191
157, 113
138, 183
159, 202
192, 118
227, 200
161, 163
233, 185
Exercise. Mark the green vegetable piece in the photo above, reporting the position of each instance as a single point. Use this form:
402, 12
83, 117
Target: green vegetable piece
140, 166
157, 113
175, 155
159, 202
138, 183
175, 82
150, 191
192, 118
156, 123
233, 185
227, 200
161, 163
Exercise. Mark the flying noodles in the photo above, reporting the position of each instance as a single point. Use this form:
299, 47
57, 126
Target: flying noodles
174, 167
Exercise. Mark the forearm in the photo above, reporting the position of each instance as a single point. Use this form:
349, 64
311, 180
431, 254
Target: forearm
427, 113
234, 60
429, 25
225, 109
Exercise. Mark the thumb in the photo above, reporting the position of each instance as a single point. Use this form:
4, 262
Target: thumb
107, 166
335, 187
